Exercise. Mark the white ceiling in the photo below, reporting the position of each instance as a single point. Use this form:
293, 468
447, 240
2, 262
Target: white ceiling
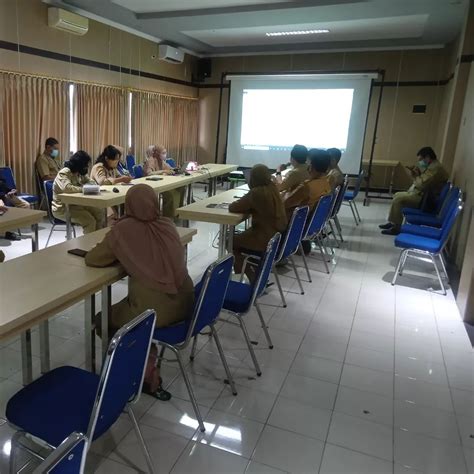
232, 27
146, 6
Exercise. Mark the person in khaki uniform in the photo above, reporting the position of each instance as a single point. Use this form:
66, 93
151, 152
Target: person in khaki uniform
264, 203
335, 175
428, 176
47, 165
155, 164
105, 170
298, 174
149, 249
70, 180
8, 197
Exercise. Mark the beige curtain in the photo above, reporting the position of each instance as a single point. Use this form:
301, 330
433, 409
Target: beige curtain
31, 110
159, 119
101, 118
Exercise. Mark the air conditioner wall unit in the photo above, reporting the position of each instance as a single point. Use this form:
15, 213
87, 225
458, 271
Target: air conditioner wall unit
67, 21
170, 54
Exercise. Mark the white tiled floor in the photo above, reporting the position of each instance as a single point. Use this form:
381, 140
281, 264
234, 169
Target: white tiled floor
364, 377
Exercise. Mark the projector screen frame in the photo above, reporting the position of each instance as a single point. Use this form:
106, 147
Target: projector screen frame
379, 72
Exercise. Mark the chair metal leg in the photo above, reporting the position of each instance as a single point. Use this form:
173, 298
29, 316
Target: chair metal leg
264, 325
296, 273
357, 211
323, 254
141, 440
338, 226
438, 274
224, 360
399, 265
249, 344
404, 260
190, 391
333, 233
305, 262
280, 289
50, 234
443, 265
353, 212
193, 348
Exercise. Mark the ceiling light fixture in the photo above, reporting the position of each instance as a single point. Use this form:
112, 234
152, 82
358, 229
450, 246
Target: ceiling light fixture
296, 33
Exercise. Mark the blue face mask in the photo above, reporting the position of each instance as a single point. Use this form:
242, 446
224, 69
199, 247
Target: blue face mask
54, 153
422, 164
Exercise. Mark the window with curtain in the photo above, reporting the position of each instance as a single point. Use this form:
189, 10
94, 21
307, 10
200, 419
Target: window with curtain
101, 113
31, 110
159, 119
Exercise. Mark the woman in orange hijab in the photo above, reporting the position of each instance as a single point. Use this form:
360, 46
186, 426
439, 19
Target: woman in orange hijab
149, 249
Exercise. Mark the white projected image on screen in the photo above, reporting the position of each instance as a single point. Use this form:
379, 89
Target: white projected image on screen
276, 118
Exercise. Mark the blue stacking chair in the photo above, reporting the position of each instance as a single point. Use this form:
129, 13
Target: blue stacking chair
6, 174
130, 162
418, 246
69, 399
317, 223
336, 208
171, 162
350, 196
435, 232
138, 171
434, 220
67, 458
48, 194
411, 211
210, 297
241, 297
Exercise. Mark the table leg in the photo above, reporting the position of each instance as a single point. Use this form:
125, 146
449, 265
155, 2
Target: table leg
26, 360
106, 303
44, 347
189, 195
68, 223
34, 237
392, 175
105, 218
89, 314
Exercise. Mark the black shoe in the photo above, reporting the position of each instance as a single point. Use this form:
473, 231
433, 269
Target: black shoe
386, 226
11, 236
391, 231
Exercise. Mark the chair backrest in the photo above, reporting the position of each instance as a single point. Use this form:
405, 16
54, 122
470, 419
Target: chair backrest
335, 196
442, 196
265, 267
340, 197
171, 162
48, 194
358, 184
294, 232
454, 209
213, 288
452, 196
68, 458
320, 216
122, 373
130, 161
138, 171
6, 173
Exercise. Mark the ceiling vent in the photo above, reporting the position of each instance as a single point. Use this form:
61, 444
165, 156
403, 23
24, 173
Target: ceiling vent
67, 21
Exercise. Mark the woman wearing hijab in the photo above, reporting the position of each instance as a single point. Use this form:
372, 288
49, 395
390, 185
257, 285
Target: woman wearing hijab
149, 249
264, 204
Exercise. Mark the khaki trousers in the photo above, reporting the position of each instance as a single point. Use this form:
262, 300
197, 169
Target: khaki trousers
89, 218
16, 202
171, 201
401, 200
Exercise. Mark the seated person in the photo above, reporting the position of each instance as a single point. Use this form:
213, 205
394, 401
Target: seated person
105, 169
264, 204
71, 179
298, 174
335, 175
156, 164
47, 164
149, 249
428, 176
8, 197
